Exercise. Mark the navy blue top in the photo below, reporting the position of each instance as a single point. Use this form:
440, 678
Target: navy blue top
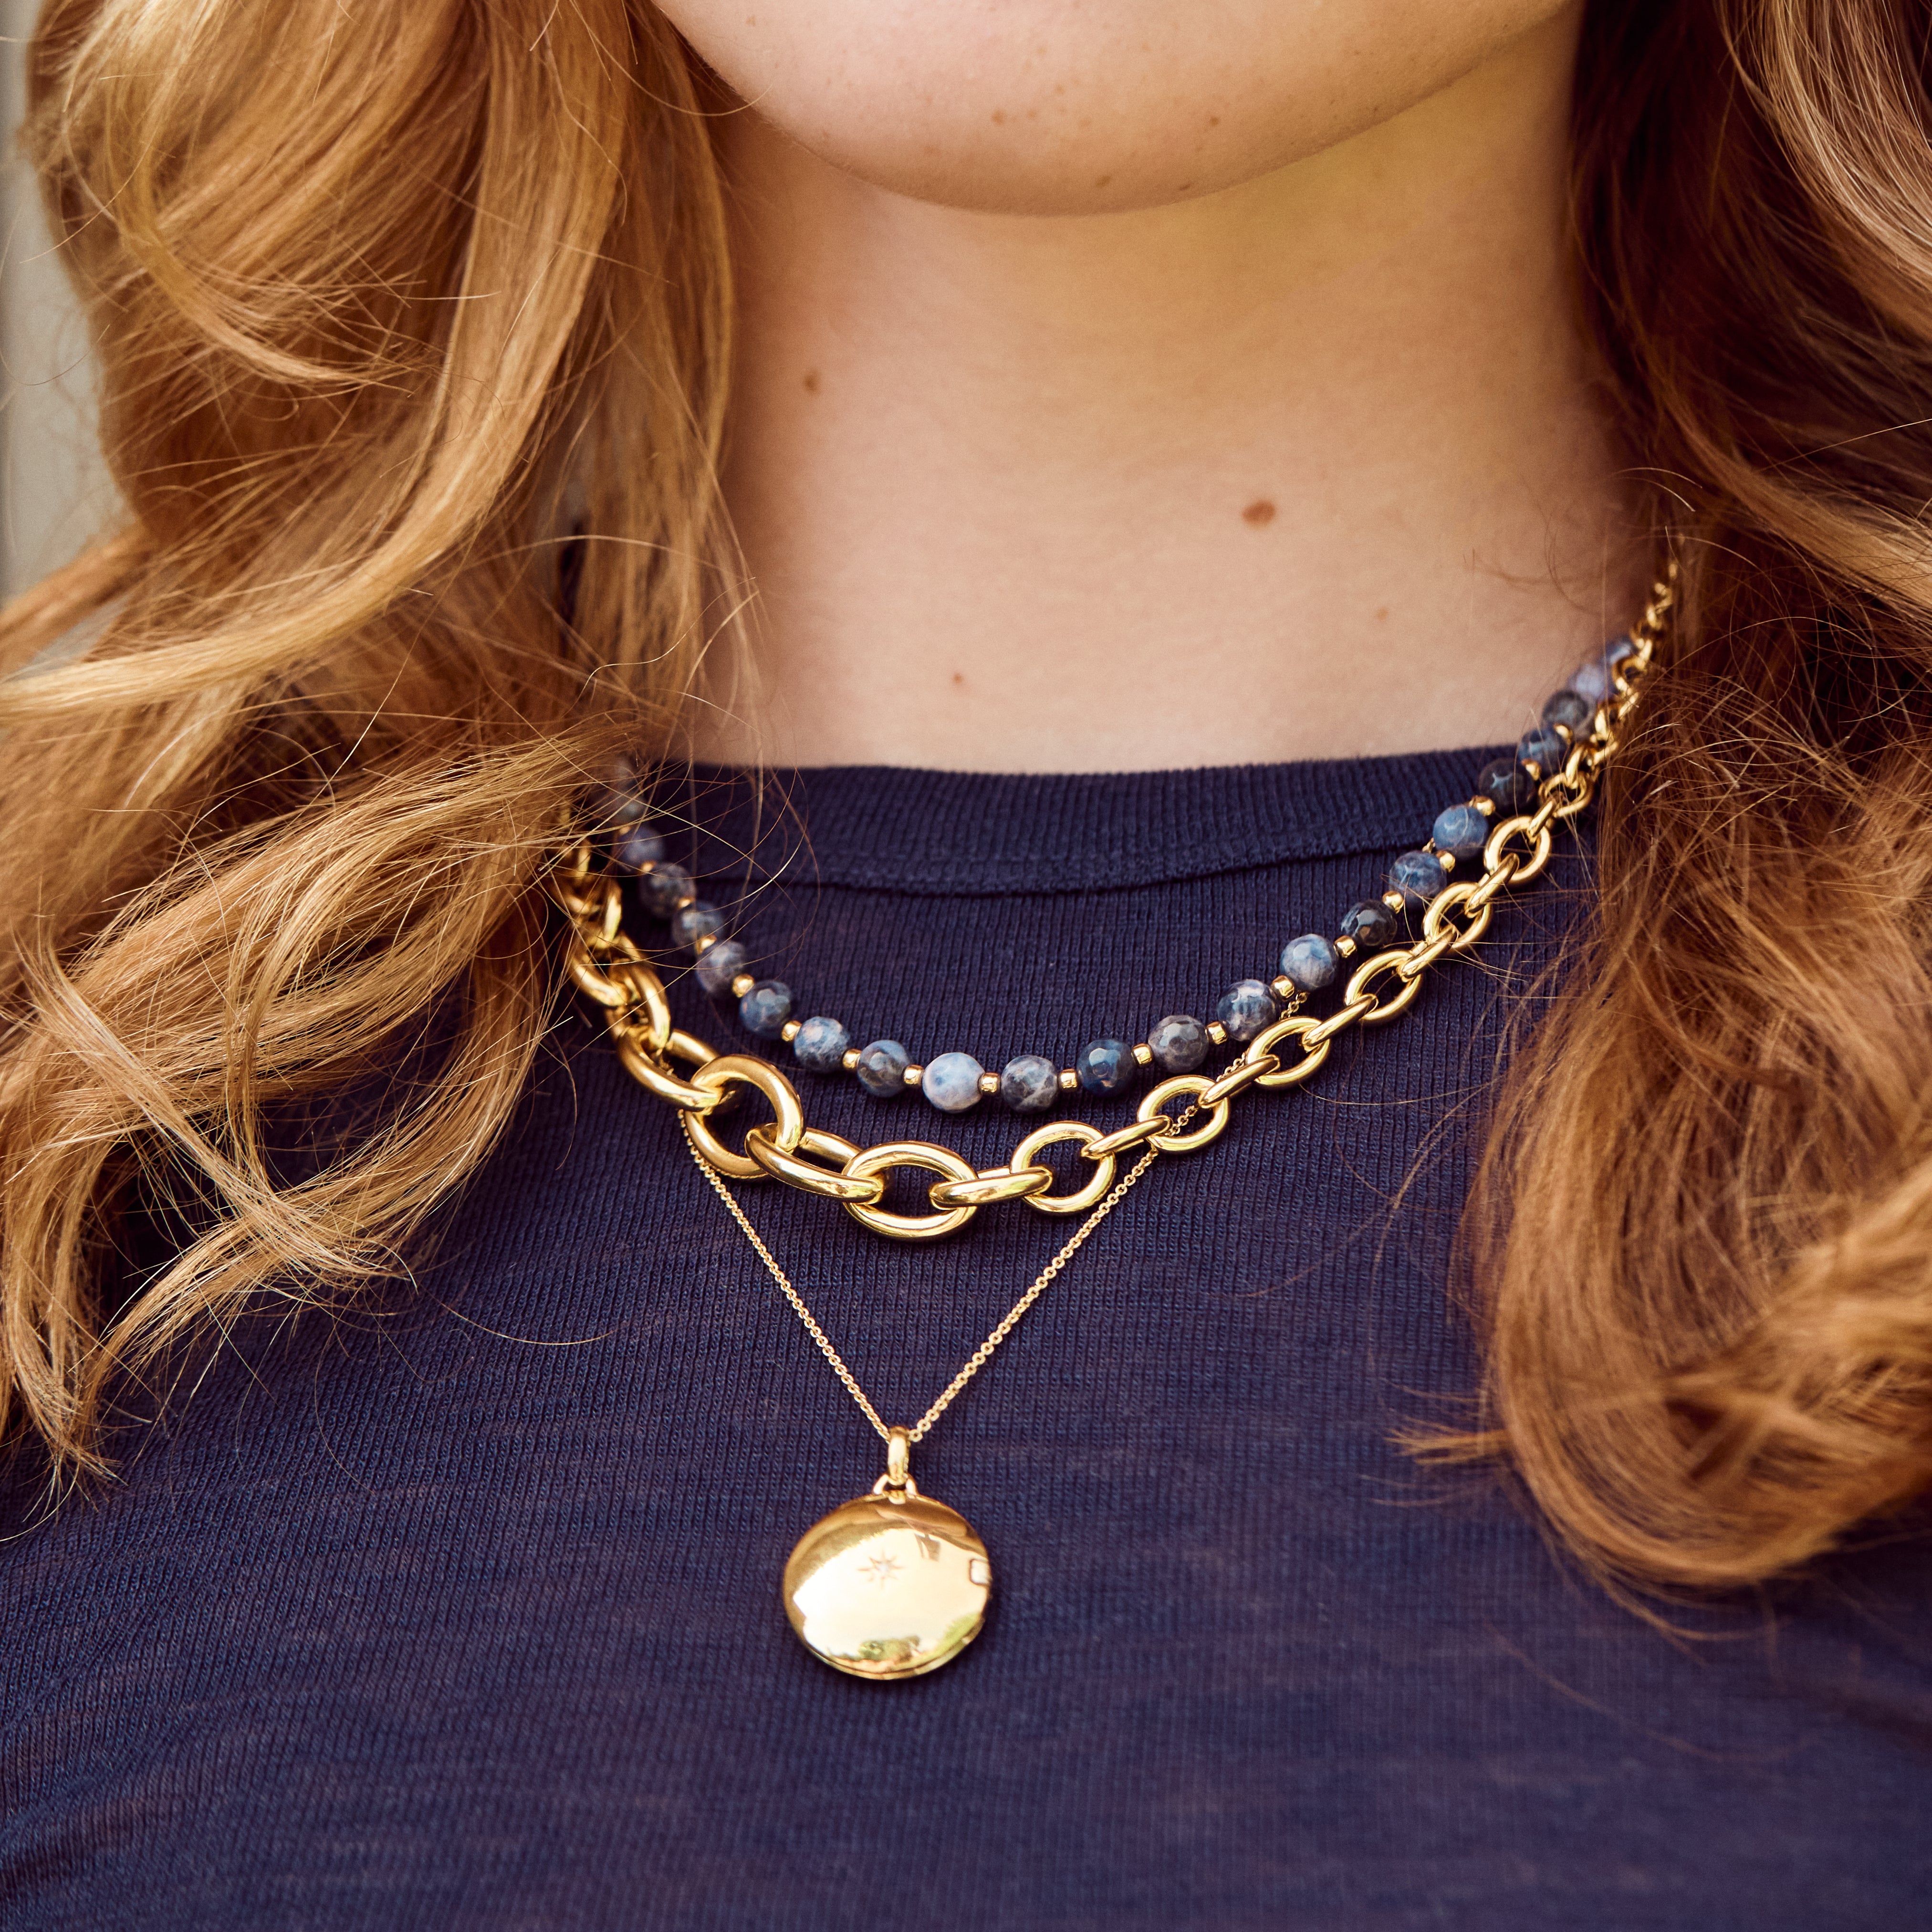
462, 1610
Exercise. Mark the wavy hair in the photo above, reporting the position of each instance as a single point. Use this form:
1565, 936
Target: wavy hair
387, 300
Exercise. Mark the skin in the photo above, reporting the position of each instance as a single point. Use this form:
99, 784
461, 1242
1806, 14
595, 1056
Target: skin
1184, 382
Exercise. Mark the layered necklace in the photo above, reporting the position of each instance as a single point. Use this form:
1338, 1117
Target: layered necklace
892, 1583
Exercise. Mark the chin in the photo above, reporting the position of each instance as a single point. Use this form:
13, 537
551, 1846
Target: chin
1053, 107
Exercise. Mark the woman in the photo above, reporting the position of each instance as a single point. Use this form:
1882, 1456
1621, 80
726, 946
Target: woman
1102, 469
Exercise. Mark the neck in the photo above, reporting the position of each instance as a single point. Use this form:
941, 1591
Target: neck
1309, 467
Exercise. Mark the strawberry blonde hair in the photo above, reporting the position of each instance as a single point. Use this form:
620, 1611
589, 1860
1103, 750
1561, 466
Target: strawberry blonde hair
388, 300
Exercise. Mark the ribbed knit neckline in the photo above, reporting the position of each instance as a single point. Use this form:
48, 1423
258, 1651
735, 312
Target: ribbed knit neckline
895, 828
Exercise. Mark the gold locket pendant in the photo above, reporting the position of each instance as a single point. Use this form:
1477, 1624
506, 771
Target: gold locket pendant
890, 1585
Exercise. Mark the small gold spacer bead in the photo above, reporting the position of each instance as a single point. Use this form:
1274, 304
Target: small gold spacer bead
1143, 1054
1486, 806
743, 984
1217, 1033
989, 1083
1394, 901
1447, 860
914, 1074
790, 1030
849, 1060
1283, 987
1068, 1080
705, 941
1346, 947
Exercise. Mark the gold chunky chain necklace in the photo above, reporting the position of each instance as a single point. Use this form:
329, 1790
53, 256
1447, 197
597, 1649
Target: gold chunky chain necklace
893, 1584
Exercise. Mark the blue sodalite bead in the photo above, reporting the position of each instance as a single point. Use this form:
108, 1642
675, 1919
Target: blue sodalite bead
618, 801
882, 1067
952, 1082
718, 965
1418, 877
1592, 680
1104, 1066
1545, 748
1570, 709
1370, 925
663, 888
1507, 786
1460, 830
1310, 961
1179, 1043
696, 921
820, 1045
640, 846
1245, 1008
766, 1008
1030, 1083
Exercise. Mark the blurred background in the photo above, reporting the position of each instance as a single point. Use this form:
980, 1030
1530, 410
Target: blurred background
53, 494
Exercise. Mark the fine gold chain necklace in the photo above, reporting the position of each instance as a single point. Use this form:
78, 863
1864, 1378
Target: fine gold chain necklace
980, 1357
893, 1583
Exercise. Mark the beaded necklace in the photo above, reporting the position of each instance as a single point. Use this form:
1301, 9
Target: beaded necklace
1030, 1083
891, 1584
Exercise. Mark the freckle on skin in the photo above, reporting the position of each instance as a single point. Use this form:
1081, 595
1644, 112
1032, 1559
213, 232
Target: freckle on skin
1382, 613
811, 382
959, 677
1103, 182
1000, 116
1260, 511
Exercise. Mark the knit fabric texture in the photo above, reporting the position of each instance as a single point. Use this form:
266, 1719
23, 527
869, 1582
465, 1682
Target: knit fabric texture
460, 1609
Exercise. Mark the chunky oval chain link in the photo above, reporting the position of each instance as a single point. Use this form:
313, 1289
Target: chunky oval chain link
610, 969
